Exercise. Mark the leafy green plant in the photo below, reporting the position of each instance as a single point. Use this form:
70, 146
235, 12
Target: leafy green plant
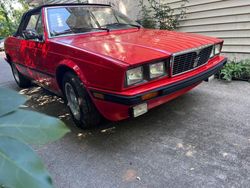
236, 70
147, 20
10, 17
160, 14
19, 166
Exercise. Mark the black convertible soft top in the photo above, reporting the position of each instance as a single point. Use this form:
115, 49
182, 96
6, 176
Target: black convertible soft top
38, 9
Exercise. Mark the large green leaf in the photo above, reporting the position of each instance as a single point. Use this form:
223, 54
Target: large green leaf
32, 127
10, 101
20, 167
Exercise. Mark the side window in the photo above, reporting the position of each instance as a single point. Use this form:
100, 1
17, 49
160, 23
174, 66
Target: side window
35, 23
39, 26
32, 22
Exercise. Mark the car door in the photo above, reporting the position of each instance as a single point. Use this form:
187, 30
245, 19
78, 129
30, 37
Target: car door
34, 52
27, 55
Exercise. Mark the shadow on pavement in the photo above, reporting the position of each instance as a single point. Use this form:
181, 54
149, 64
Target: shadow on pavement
45, 102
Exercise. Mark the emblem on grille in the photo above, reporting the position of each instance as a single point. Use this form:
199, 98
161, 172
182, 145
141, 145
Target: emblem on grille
185, 61
196, 61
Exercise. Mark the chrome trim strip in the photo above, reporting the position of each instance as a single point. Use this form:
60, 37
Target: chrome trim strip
193, 49
197, 50
47, 22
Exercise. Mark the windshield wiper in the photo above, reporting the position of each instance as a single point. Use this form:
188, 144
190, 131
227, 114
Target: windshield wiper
87, 29
67, 31
77, 30
100, 28
134, 25
117, 24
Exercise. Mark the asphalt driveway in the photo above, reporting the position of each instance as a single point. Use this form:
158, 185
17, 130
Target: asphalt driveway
201, 139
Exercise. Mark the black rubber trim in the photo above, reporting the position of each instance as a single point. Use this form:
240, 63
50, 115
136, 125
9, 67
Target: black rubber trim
38, 9
166, 90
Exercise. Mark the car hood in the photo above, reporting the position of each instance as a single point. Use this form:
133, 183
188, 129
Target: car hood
137, 46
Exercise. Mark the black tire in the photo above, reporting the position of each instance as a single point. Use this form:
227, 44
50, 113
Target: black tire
22, 81
88, 115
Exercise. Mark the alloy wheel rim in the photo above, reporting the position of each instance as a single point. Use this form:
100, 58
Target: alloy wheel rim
72, 101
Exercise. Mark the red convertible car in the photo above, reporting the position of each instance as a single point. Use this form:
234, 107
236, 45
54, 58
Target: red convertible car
106, 65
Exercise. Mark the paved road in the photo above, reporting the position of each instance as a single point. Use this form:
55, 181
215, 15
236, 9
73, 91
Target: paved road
5, 72
201, 139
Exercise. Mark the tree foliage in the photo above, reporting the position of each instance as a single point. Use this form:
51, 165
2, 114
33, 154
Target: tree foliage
11, 12
155, 14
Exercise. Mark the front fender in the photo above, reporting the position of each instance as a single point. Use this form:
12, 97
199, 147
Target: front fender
74, 67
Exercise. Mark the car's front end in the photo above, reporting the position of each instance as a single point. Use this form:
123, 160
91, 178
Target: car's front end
132, 69
180, 74
159, 80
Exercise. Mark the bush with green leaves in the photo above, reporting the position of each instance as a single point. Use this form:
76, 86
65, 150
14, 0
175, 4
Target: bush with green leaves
236, 71
155, 14
20, 167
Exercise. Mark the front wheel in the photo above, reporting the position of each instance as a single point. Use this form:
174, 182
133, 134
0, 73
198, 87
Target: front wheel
21, 80
82, 109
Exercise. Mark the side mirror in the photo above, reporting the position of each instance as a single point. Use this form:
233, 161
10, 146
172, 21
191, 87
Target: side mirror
31, 34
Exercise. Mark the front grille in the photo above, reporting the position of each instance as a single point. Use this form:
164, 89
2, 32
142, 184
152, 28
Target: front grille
185, 62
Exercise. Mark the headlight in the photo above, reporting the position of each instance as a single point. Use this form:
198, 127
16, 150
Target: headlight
217, 49
134, 76
212, 53
156, 70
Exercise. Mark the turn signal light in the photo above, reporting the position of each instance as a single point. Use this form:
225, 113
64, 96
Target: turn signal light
150, 95
98, 95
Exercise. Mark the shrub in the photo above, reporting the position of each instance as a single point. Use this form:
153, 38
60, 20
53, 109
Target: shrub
236, 71
160, 15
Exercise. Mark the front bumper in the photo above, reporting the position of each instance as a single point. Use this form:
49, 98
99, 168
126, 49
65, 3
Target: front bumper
117, 107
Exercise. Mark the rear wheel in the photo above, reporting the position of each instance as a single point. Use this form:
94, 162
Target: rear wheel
79, 102
21, 80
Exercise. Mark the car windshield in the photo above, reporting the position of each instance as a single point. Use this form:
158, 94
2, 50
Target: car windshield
81, 19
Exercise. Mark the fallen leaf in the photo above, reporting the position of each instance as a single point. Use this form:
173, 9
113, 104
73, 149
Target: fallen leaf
189, 153
225, 154
180, 145
109, 130
130, 175
80, 134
